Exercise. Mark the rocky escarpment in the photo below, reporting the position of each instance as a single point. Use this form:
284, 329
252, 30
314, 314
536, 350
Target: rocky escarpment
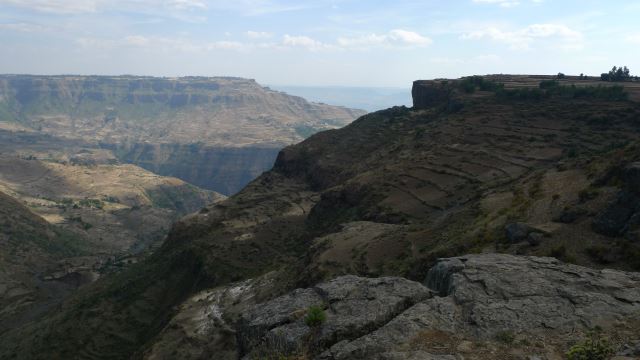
227, 170
475, 306
429, 93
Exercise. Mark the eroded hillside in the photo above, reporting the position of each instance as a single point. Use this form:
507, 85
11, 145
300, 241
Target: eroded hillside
72, 215
122, 207
464, 171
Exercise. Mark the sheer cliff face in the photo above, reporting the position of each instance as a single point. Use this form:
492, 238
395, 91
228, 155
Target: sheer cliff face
225, 169
211, 115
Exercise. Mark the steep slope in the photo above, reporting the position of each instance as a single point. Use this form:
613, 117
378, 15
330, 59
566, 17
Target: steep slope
386, 195
218, 133
87, 215
31, 248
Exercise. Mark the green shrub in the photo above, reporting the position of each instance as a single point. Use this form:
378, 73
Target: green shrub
505, 337
594, 347
551, 88
587, 194
471, 83
315, 316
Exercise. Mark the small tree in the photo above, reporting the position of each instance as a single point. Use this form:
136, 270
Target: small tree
561, 75
617, 74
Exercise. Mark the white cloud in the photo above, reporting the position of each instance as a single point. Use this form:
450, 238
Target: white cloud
304, 42
227, 45
259, 34
162, 44
408, 37
522, 39
362, 41
397, 37
256, 40
23, 27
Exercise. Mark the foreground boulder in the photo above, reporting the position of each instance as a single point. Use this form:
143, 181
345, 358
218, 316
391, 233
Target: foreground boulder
354, 307
517, 232
477, 307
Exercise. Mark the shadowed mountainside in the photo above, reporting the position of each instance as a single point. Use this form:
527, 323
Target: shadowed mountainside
31, 248
387, 195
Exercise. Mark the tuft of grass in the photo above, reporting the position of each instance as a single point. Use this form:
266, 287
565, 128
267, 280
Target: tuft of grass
595, 347
506, 337
315, 317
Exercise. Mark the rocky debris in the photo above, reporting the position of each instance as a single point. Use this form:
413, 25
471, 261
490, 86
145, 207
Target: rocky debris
203, 326
485, 304
354, 306
614, 219
517, 232
535, 238
632, 349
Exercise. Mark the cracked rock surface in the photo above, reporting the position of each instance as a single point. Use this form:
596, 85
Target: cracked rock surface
354, 306
473, 307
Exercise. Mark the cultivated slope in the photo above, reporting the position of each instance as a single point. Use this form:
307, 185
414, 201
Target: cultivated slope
124, 208
386, 195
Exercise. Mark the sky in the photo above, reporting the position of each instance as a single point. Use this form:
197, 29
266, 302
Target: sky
318, 42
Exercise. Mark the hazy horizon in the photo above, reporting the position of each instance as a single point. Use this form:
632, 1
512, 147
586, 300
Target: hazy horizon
320, 42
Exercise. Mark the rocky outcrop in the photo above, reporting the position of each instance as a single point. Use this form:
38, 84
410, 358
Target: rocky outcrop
622, 216
354, 307
517, 232
429, 93
514, 306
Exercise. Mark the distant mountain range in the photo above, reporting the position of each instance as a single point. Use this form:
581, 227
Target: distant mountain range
215, 132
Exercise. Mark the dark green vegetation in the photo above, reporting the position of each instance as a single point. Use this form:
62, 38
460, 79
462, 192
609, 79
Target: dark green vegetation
546, 89
618, 74
386, 195
595, 347
315, 316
